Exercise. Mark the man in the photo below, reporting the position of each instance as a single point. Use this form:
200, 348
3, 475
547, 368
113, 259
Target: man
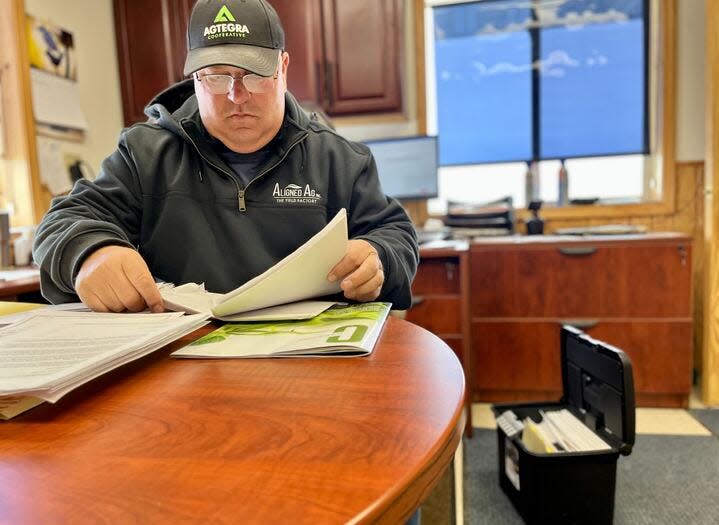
228, 177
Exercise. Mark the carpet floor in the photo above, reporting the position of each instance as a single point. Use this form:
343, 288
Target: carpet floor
666, 480
709, 417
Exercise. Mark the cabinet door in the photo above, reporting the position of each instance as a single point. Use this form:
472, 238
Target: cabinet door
363, 39
516, 361
151, 49
181, 10
438, 275
582, 281
521, 359
301, 20
661, 354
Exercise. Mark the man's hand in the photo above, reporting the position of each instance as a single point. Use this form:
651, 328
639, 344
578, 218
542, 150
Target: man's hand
360, 272
115, 279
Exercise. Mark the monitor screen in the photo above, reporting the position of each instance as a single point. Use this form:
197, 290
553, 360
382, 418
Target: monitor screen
407, 166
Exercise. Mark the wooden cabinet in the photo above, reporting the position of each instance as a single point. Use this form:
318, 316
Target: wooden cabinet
633, 292
440, 294
345, 55
151, 49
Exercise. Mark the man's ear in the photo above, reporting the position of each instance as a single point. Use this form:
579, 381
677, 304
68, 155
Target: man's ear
285, 67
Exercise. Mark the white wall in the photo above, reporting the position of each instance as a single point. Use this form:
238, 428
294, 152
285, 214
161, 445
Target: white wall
690, 80
92, 24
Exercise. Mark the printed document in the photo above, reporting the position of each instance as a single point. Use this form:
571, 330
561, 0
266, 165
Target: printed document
281, 292
48, 354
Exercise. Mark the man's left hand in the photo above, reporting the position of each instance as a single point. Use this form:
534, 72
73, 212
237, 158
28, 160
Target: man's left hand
360, 272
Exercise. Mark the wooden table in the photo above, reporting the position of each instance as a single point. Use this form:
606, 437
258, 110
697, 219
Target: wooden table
166, 440
27, 289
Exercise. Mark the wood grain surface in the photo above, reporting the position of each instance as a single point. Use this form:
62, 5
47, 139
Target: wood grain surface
10, 289
314, 440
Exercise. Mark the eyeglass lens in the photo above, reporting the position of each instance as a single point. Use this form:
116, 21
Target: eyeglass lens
223, 84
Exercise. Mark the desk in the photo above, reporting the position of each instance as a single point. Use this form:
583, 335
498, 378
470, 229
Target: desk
26, 289
166, 440
441, 294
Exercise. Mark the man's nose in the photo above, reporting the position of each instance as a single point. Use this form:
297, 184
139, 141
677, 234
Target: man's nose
238, 92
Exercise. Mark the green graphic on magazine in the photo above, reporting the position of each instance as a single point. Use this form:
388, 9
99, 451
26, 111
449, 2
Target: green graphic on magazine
347, 330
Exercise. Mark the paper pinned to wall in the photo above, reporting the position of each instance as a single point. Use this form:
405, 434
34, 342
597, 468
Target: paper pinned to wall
2, 124
53, 172
56, 100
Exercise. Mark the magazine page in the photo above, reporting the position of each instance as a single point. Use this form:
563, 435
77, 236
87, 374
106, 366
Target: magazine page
191, 298
300, 275
342, 330
283, 312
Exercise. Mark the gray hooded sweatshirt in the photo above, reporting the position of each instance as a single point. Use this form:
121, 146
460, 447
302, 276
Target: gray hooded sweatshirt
167, 193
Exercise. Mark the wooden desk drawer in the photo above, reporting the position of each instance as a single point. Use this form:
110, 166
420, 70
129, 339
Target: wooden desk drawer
439, 315
582, 281
438, 275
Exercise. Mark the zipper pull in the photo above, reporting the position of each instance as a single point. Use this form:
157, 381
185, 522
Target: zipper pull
241, 196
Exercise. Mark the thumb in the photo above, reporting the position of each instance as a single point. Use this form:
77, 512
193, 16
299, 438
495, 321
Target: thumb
139, 275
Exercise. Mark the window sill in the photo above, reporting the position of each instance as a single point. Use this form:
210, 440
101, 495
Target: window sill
601, 211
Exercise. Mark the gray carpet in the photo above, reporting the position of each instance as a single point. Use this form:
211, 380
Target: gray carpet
709, 417
666, 480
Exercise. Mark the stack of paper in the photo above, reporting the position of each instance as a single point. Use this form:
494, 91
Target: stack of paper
49, 353
300, 276
560, 431
570, 433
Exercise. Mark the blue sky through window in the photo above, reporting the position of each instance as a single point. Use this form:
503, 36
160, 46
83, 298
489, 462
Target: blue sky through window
591, 83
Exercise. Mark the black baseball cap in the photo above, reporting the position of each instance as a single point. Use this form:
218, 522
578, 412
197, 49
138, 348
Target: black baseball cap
243, 33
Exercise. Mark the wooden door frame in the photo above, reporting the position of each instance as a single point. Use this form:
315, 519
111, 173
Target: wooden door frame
710, 349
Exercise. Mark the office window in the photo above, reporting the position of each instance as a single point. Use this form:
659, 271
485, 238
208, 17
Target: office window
511, 81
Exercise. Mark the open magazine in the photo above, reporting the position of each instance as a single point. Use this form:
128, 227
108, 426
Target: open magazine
281, 292
342, 330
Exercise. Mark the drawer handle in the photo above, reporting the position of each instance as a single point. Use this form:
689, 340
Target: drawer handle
416, 300
582, 250
580, 323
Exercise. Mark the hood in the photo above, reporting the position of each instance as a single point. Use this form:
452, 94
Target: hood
173, 104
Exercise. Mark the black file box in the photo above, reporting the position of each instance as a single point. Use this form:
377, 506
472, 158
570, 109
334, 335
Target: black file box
573, 487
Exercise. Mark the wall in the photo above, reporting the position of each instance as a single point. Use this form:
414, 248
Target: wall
690, 80
93, 27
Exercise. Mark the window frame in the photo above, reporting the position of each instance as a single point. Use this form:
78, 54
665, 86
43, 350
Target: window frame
662, 115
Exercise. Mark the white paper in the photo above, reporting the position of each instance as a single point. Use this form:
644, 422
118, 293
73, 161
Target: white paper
52, 352
16, 275
53, 172
299, 276
2, 126
56, 100
283, 312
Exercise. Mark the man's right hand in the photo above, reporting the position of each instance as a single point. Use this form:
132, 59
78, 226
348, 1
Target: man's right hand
115, 279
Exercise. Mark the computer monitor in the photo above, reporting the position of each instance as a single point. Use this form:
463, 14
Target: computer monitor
407, 166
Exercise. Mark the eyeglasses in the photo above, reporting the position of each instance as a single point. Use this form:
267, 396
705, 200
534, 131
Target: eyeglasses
221, 84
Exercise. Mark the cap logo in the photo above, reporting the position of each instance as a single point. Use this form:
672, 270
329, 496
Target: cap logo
224, 26
224, 15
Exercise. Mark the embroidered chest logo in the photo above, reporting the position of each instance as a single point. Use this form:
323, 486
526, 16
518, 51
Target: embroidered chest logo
294, 194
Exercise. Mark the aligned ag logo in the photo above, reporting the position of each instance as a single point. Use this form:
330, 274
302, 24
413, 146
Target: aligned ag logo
295, 194
225, 25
